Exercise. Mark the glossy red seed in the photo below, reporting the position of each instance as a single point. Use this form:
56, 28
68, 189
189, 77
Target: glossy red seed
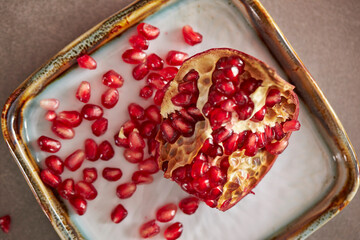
168, 132
99, 127
184, 127
159, 96
49, 178
83, 93
79, 204
156, 80
149, 165
128, 127
69, 118
224, 164
192, 38
121, 141
5, 222
250, 144
112, 79
166, 213
149, 229
269, 134
168, 73
62, 131
259, 115
67, 188
50, 115
261, 140
150, 32
179, 174
55, 164
153, 114
49, 104
228, 105
277, 147
190, 87
126, 190
146, 92
89, 175
85, 190
231, 144
216, 176
87, 62
182, 99
250, 85
106, 151
112, 174
148, 129
133, 56
154, 62
241, 98
47, 144
219, 117
91, 112
118, 213
75, 160
211, 203
141, 177
176, 58
278, 130
226, 87
189, 205
215, 192
216, 98
273, 97
173, 231
140, 71
110, 98
245, 111
133, 156
91, 150
136, 111
290, 126
199, 168
139, 42
136, 142
221, 134
201, 184
153, 146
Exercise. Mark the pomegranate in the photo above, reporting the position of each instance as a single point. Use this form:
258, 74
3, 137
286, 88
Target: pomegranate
226, 117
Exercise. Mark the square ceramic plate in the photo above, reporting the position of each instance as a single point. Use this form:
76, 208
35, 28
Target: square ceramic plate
310, 183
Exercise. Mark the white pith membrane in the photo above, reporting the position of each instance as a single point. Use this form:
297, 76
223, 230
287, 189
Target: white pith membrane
244, 172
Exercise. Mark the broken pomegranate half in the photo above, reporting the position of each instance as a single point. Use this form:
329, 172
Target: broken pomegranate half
226, 117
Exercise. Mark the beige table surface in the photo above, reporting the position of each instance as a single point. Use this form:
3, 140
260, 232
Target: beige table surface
325, 34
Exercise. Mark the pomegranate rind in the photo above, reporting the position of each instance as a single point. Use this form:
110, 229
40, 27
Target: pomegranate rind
244, 172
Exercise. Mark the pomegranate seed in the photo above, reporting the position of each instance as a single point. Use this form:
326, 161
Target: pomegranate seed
216, 98
182, 99
166, 213
69, 118
141, 177
190, 87
153, 146
121, 140
211, 203
87, 62
112, 174
273, 97
179, 174
149, 165
195, 113
261, 140
110, 98
146, 92
75, 160
218, 117
176, 58
159, 96
173, 231
112, 79
99, 127
85, 190
118, 214
184, 127
49, 104
277, 147
150, 32
50, 115
149, 229
250, 85
269, 134
154, 62
125, 190
148, 129
83, 92
49, 178
216, 176
50, 145
79, 204
290, 126
245, 111
224, 164
136, 142
5, 223
67, 188
133, 156
225, 87
62, 131
140, 71
184, 113
192, 38
228, 105
136, 111
259, 115
215, 192
156, 80
279, 133
133, 56
91, 150
241, 98
106, 151
231, 144
89, 175
201, 184
168, 132
168, 73
91, 112
55, 164
139, 42
189, 205
250, 145
199, 168
128, 127
153, 114
221, 134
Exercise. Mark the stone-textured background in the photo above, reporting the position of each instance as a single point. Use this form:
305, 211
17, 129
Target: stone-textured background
325, 34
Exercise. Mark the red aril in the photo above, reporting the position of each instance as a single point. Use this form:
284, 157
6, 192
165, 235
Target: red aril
75, 160
192, 38
110, 98
91, 150
134, 156
126, 190
259, 115
47, 144
128, 127
148, 129
290, 126
176, 58
136, 111
106, 151
149, 165
168, 133
173, 231
67, 188
55, 164
146, 92
99, 127
141, 177
118, 214
79, 204
5, 223
153, 114
62, 131
168, 73
85, 190
273, 97
89, 175
112, 174
166, 213
49, 104
136, 142
69, 118
121, 140
189, 205
50, 115
159, 95
140, 71
150, 32
139, 42
87, 62
112, 79
154, 62
153, 147
91, 112
133, 56
149, 229
83, 92
157, 81
49, 178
